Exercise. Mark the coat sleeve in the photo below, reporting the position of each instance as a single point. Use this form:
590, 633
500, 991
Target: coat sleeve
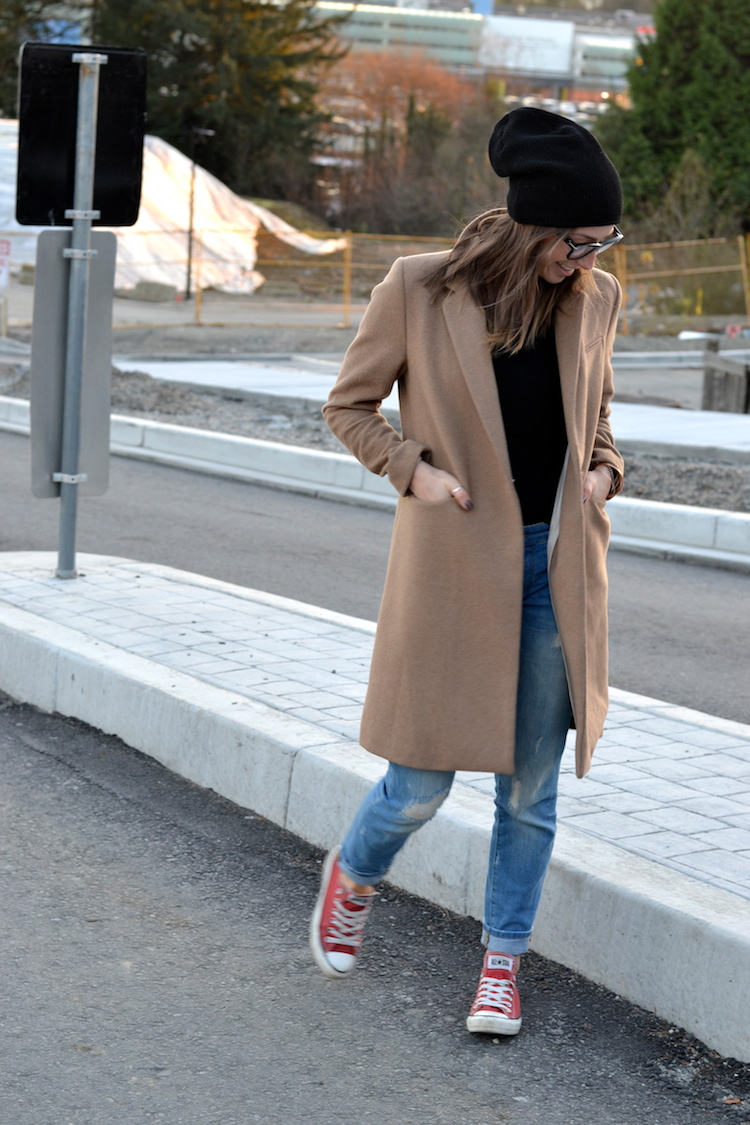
376, 360
604, 444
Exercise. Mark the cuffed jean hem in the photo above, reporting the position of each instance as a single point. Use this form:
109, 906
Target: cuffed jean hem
361, 880
498, 944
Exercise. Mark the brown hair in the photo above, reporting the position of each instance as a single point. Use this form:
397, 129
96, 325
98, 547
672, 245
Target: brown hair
499, 259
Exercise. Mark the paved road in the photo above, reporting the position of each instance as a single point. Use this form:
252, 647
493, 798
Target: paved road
663, 385
679, 632
155, 969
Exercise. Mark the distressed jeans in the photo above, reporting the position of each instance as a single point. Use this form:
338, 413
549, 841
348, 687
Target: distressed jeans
525, 802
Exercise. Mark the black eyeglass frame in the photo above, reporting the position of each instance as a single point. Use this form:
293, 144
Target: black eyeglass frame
583, 249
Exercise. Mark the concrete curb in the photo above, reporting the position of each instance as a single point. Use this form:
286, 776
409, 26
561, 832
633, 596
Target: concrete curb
599, 900
724, 455
709, 535
705, 535
693, 358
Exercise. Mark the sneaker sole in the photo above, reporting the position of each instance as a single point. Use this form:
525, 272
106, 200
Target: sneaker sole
489, 1024
316, 948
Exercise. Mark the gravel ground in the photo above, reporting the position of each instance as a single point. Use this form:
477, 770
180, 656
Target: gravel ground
704, 484
227, 339
296, 422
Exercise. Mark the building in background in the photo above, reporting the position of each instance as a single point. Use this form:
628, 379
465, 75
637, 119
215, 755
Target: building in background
567, 54
450, 38
564, 55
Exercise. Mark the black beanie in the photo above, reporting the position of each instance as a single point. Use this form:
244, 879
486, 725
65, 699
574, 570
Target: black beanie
560, 176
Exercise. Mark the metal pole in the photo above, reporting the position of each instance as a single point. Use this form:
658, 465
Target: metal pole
347, 281
195, 135
190, 224
198, 288
621, 273
80, 254
744, 245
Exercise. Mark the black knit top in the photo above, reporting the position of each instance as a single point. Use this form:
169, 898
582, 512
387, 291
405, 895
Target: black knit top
528, 386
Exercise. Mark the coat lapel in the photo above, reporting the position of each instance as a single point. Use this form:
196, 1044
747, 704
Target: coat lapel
568, 341
468, 333
467, 329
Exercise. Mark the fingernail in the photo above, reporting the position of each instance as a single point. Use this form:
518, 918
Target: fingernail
469, 507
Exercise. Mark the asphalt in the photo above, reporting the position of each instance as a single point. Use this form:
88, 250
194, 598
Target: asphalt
667, 530
703, 535
638, 426
154, 942
258, 698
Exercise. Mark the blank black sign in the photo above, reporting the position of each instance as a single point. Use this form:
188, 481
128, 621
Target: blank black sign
48, 108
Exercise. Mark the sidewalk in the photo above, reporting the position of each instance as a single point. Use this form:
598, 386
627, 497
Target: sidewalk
638, 427
704, 535
258, 697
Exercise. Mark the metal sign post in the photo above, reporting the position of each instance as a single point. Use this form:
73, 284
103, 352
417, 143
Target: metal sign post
49, 334
80, 162
80, 254
5, 251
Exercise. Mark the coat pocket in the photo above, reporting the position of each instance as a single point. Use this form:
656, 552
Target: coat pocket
414, 501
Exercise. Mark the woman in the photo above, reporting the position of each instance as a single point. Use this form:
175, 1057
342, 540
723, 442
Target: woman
492, 636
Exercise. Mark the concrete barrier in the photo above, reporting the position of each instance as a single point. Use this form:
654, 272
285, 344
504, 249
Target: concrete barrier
708, 535
598, 901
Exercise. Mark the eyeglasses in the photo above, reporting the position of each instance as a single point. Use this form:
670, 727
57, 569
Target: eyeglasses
583, 249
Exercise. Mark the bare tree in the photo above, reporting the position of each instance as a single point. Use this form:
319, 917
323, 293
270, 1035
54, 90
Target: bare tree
407, 145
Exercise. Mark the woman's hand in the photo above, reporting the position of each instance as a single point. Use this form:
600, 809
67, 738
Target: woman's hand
433, 485
597, 483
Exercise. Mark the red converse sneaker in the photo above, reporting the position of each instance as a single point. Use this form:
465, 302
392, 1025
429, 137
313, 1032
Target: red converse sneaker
497, 1008
338, 922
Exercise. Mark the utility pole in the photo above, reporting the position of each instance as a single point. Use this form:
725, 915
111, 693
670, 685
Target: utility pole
195, 133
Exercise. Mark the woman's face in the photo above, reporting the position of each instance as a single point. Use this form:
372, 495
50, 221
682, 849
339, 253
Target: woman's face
556, 265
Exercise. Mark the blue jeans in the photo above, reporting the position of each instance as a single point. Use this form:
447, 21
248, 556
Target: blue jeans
525, 802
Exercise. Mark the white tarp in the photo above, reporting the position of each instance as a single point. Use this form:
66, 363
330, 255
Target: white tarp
155, 249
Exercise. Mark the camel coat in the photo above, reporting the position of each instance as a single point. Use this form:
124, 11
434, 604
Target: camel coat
444, 677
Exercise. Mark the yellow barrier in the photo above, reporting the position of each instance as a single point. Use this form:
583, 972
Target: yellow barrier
694, 278
642, 270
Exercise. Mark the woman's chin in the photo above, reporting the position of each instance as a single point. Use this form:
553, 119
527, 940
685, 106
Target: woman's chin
554, 275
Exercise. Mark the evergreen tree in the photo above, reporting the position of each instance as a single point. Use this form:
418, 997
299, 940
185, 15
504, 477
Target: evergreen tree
690, 90
245, 69
23, 21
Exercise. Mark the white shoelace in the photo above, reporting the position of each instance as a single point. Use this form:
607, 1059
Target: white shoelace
495, 994
347, 925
